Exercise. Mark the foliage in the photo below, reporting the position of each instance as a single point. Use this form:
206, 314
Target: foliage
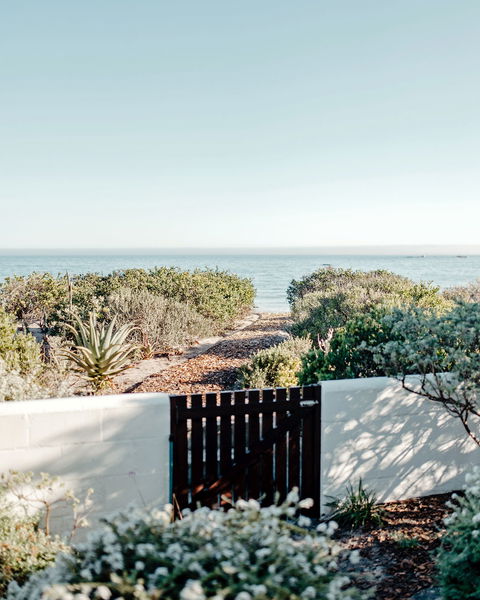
349, 353
329, 298
357, 508
246, 553
48, 383
32, 298
220, 297
100, 352
26, 543
458, 559
444, 350
161, 325
19, 351
467, 293
276, 366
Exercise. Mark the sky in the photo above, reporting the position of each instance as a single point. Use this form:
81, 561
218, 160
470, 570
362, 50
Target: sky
264, 123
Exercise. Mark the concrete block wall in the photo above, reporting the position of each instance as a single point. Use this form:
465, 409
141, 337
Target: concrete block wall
117, 445
400, 444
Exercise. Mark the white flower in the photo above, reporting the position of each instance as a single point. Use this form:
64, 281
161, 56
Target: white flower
192, 591
103, 593
354, 557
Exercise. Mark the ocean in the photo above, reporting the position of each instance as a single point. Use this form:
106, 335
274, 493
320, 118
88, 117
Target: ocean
270, 273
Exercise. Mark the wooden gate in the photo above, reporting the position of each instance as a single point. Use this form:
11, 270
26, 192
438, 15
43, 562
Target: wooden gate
245, 444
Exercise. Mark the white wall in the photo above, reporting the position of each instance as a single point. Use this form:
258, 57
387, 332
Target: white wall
118, 445
400, 444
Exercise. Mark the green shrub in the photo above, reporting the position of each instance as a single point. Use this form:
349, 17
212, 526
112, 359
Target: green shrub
357, 508
220, 297
276, 366
329, 298
246, 553
349, 354
458, 560
19, 352
32, 298
161, 325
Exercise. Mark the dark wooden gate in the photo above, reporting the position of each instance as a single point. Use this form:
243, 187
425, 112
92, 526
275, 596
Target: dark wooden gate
245, 444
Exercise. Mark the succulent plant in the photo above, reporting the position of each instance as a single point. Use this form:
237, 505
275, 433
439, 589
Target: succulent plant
100, 352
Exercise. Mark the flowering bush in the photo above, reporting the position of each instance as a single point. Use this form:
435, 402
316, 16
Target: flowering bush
26, 506
246, 553
458, 560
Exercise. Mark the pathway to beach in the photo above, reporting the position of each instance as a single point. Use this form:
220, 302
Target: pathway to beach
215, 369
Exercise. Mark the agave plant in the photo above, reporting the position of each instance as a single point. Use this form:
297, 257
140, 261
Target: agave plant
100, 352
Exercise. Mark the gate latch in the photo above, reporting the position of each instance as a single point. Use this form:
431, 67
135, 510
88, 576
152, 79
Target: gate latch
308, 402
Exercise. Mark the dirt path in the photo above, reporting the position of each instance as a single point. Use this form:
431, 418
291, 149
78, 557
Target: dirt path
216, 368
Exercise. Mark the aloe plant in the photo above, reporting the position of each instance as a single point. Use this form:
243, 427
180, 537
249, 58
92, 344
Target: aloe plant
100, 352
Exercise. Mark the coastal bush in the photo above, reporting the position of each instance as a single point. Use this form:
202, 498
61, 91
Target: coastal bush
26, 506
18, 351
245, 553
350, 352
327, 299
32, 298
458, 559
161, 325
276, 366
467, 293
444, 350
218, 296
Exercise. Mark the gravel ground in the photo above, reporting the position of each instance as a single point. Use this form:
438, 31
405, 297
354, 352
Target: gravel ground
398, 555
215, 369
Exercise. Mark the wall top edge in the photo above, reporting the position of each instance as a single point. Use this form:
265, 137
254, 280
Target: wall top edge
80, 403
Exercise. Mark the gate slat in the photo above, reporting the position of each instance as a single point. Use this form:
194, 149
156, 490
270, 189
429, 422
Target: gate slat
239, 442
267, 459
180, 456
211, 441
281, 450
254, 479
294, 445
226, 437
196, 448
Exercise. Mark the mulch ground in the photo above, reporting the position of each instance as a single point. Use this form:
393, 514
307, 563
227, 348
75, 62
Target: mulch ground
216, 369
397, 556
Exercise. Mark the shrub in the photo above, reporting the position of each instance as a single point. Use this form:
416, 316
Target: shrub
26, 545
247, 553
467, 293
458, 559
100, 352
19, 352
444, 350
276, 366
32, 297
161, 325
357, 508
349, 354
329, 298
48, 383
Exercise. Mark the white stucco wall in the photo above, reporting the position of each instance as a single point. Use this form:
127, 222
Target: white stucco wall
401, 445
117, 445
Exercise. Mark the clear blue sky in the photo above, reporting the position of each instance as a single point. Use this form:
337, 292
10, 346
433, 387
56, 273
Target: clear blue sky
148, 123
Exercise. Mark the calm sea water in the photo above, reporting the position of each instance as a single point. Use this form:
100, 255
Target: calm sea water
271, 274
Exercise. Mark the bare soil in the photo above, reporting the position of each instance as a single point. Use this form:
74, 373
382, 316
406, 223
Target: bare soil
216, 369
398, 555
